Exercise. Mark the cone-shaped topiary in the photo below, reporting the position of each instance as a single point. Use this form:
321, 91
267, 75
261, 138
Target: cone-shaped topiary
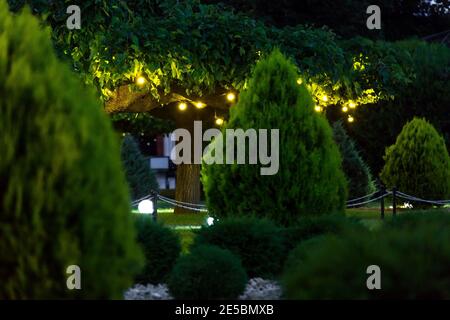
360, 181
309, 180
63, 195
140, 177
418, 163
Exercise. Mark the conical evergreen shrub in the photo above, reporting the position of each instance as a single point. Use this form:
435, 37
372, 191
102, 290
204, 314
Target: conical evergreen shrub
309, 181
140, 177
418, 163
359, 177
63, 195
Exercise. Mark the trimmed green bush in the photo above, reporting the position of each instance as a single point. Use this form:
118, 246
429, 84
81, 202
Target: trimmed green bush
258, 243
140, 177
418, 163
310, 227
360, 181
414, 265
309, 180
207, 273
63, 195
161, 248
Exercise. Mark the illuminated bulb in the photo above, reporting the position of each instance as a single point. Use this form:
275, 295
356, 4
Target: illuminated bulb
351, 119
352, 105
140, 81
210, 221
345, 109
324, 98
231, 96
182, 106
299, 81
219, 121
318, 108
200, 105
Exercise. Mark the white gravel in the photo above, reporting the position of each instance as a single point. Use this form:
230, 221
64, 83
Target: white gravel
256, 289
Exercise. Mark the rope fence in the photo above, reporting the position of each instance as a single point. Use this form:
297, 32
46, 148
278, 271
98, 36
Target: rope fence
378, 195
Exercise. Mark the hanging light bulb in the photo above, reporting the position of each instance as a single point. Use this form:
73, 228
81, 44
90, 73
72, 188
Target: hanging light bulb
231, 97
344, 109
352, 105
200, 105
140, 81
351, 119
182, 106
299, 81
219, 121
324, 98
318, 108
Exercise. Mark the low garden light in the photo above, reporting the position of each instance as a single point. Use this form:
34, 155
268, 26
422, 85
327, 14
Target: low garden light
210, 221
231, 97
146, 207
140, 81
182, 106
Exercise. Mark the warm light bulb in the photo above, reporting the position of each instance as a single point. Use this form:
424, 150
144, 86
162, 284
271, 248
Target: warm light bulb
351, 119
299, 81
318, 108
200, 105
352, 105
182, 106
219, 121
140, 81
231, 97
344, 108
324, 98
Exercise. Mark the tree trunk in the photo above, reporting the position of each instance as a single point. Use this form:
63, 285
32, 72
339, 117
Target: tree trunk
188, 175
188, 186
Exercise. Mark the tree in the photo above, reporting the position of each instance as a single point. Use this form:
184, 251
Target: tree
309, 180
63, 195
418, 163
185, 51
140, 177
360, 182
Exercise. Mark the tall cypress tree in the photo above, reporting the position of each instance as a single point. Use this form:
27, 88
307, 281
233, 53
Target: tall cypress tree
140, 177
309, 180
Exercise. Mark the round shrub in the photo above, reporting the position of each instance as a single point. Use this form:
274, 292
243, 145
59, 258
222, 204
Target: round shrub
207, 273
258, 243
309, 178
360, 181
310, 227
140, 177
63, 195
161, 248
418, 163
413, 263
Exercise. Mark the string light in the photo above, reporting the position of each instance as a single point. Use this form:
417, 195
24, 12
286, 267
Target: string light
182, 106
318, 108
231, 97
324, 98
140, 81
200, 105
219, 121
344, 109
299, 81
352, 105
351, 119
